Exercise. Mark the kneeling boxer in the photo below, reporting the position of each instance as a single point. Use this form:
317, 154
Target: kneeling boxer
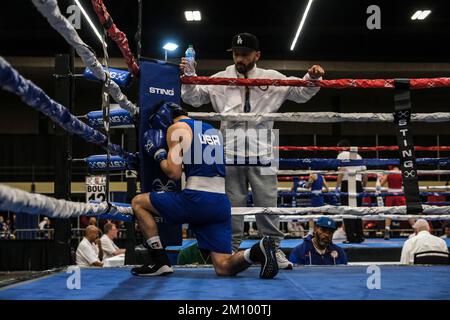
179, 143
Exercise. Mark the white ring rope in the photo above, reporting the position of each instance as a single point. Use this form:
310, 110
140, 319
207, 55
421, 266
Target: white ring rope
20, 201
443, 211
340, 217
50, 10
319, 117
420, 188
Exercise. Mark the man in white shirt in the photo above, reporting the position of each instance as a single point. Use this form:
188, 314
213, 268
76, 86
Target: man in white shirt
44, 224
89, 251
107, 240
343, 177
423, 241
243, 138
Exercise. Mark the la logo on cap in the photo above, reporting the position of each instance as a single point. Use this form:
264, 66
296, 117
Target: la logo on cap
239, 40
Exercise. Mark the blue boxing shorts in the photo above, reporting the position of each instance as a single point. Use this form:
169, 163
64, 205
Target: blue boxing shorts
208, 214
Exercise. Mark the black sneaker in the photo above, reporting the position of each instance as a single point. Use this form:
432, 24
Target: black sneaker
264, 252
152, 270
387, 235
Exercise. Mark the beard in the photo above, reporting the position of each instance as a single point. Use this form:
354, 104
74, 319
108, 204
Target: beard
244, 68
322, 242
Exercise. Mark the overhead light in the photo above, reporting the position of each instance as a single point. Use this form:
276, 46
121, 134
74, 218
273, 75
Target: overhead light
420, 14
169, 46
90, 22
193, 15
300, 27
197, 16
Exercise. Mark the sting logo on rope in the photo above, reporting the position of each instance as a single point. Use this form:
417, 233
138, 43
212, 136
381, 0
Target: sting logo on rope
406, 148
103, 164
113, 120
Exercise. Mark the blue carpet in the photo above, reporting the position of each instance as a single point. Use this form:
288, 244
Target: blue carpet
302, 283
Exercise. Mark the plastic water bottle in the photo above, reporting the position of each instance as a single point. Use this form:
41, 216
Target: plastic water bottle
189, 70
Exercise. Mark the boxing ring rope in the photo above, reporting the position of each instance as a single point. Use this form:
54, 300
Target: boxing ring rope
318, 117
115, 34
307, 172
437, 212
360, 149
382, 189
315, 163
423, 188
50, 10
35, 97
15, 200
420, 83
361, 195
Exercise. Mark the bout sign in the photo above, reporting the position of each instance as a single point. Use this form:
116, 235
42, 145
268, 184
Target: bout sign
95, 188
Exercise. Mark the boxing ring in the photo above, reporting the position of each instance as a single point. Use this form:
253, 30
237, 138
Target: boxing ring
302, 283
201, 283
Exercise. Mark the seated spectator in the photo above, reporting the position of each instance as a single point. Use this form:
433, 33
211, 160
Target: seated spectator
89, 251
421, 242
340, 235
44, 224
295, 229
318, 248
3, 228
92, 221
109, 247
446, 232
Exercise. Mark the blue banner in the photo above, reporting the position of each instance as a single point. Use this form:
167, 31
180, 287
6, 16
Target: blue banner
159, 81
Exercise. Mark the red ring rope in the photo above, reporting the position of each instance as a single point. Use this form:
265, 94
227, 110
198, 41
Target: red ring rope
422, 83
114, 33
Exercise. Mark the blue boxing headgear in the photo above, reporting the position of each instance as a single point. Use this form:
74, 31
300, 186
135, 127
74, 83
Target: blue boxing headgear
164, 115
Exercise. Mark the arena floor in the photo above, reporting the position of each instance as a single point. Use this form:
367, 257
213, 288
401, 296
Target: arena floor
302, 283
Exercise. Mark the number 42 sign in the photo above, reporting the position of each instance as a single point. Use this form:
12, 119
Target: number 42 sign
95, 188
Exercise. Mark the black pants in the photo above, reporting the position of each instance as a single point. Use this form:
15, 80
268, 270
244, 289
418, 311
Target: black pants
344, 188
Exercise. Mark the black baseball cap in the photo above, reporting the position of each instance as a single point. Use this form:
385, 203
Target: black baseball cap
245, 42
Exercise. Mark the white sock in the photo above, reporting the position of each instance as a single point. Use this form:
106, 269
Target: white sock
247, 256
387, 228
154, 243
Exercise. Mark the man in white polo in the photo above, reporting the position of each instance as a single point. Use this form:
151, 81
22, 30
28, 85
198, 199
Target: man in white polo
110, 249
89, 251
423, 241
